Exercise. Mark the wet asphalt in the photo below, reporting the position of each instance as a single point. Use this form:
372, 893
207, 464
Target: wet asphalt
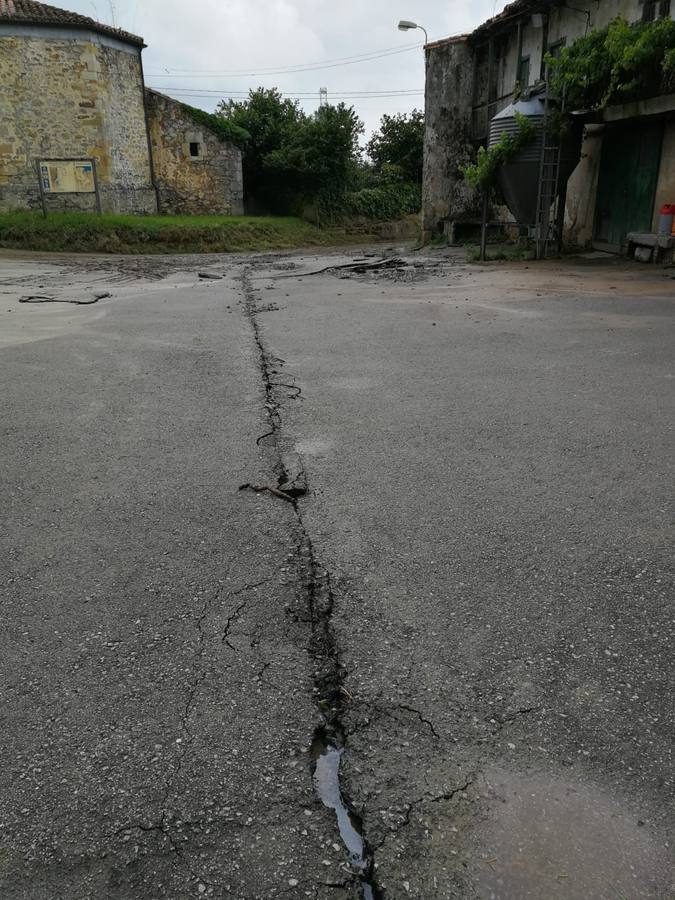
474, 595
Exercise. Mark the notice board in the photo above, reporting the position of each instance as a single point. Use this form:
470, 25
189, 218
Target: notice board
67, 176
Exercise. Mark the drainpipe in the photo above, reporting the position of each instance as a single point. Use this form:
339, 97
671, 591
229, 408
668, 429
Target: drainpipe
147, 133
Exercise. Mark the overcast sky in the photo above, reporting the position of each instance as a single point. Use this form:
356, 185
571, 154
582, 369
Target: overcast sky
208, 45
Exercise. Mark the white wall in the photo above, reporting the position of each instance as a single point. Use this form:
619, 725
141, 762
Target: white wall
582, 189
665, 187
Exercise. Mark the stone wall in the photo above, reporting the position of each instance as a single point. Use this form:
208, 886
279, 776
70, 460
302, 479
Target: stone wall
72, 95
447, 133
196, 172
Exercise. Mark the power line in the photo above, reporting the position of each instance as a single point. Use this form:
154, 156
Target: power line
324, 62
334, 98
310, 95
287, 70
350, 91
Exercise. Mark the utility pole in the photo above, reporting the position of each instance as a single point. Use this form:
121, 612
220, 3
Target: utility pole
323, 96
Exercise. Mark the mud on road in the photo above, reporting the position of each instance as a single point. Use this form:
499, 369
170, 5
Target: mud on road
426, 655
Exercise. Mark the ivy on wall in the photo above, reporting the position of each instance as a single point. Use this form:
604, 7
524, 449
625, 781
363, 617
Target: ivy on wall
224, 130
615, 64
482, 175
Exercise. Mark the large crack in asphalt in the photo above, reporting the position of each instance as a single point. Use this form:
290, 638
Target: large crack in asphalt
330, 739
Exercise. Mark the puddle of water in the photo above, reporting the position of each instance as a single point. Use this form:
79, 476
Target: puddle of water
327, 784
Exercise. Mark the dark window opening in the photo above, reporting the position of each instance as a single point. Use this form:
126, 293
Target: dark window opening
556, 49
553, 51
194, 148
544, 45
481, 68
648, 10
523, 78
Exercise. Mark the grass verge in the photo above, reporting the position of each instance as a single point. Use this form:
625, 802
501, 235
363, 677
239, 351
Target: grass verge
88, 233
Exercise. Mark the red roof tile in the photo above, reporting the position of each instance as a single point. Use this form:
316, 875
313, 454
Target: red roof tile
32, 13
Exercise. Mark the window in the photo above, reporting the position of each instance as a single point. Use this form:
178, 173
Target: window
648, 10
195, 149
499, 53
523, 77
481, 68
655, 9
553, 50
556, 49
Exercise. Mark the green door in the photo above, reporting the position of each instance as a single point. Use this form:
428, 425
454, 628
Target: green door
629, 169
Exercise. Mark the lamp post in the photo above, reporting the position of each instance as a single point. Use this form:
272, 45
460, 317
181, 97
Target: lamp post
404, 25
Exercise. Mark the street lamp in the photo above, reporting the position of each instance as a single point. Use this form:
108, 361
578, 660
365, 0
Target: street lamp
404, 25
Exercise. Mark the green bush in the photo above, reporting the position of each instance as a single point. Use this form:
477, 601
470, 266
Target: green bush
391, 201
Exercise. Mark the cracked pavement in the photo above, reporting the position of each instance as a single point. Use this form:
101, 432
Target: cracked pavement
455, 561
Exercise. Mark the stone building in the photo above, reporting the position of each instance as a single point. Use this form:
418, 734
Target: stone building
78, 130
195, 169
472, 77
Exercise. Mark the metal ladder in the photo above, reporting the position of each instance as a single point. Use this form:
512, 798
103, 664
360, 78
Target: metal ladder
547, 190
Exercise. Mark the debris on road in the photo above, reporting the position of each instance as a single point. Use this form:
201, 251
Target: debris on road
260, 488
50, 298
357, 266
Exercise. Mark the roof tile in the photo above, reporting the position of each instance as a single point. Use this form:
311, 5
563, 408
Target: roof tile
33, 13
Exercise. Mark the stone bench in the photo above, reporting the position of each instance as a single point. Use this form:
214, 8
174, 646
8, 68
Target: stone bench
646, 246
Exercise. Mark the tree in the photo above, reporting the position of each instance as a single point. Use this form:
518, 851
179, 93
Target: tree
292, 160
320, 159
271, 122
398, 146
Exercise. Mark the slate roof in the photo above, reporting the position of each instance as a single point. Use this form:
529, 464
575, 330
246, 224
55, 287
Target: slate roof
31, 12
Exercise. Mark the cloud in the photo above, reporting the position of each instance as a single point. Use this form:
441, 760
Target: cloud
197, 41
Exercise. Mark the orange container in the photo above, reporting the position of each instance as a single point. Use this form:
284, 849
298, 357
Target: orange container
667, 219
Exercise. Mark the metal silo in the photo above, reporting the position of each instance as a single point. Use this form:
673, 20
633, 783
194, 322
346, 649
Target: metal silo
519, 179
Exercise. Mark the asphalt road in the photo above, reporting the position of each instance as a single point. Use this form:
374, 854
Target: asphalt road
460, 580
